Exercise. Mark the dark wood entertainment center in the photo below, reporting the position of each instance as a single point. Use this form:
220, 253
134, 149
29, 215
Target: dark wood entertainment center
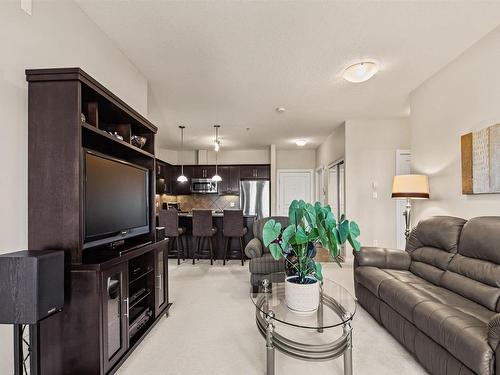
113, 296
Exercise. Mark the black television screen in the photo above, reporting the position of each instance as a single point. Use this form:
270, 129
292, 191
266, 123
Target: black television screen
116, 199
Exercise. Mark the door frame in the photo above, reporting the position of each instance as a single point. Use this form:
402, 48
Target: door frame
278, 185
319, 185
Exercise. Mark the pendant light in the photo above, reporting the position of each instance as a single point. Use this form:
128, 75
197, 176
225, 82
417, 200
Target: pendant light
182, 178
216, 177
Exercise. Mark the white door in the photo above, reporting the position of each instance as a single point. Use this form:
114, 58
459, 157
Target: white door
293, 184
403, 166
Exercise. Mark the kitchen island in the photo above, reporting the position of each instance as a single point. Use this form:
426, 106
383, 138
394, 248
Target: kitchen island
185, 220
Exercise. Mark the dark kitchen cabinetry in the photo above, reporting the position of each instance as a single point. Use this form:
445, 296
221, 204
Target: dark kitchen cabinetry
230, 183
164, 177
203, 171
249, 172
182, 188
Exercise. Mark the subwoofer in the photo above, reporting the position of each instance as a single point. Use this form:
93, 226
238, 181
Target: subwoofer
31, 285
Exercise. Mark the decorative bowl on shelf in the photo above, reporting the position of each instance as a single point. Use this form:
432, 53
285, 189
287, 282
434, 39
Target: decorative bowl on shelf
138, 140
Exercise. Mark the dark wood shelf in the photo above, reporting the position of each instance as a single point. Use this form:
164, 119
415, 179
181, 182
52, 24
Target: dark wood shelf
116, 140
140, 299
141, 276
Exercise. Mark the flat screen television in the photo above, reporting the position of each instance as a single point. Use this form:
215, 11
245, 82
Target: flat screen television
115, 199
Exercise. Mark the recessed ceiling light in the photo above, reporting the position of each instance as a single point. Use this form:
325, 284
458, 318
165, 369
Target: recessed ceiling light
280, 109
301, 142
360, 72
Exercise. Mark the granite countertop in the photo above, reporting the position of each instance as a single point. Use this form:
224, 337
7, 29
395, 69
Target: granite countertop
214, 214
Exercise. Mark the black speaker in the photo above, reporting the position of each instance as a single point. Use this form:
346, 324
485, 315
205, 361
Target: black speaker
31, 285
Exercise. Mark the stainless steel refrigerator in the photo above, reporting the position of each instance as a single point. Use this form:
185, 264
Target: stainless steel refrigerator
254, 197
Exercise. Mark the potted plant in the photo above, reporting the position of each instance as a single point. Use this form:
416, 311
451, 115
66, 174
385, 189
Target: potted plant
309, 225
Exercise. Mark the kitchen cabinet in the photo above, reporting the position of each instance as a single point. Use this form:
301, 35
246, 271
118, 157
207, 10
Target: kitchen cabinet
115, 314
230, 183
164, 178
255, 172
182, 188
203, 171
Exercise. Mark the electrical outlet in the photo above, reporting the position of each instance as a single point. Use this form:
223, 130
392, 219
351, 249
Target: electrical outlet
231, 204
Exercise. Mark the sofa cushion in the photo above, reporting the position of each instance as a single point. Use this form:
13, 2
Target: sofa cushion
406, 276
480, 239
441, 232
266, 264
432, 245
463, 335
402, 297
371, 278
447, 297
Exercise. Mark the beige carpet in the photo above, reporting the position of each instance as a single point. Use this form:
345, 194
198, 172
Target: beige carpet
211, 330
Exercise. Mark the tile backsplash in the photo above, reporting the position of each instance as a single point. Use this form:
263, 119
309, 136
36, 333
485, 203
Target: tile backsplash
206, 201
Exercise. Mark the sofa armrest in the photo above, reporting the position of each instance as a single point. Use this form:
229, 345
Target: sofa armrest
494, 331
253, 249
382, 258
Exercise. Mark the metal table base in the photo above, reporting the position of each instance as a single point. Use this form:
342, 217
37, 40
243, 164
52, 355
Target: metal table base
309, 352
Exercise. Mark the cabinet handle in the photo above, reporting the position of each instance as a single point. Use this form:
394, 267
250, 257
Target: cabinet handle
126, 307
158, 283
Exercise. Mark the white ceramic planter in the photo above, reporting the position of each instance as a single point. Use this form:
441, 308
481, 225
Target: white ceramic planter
302, 297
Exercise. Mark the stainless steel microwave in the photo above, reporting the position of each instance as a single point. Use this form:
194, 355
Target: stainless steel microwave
203, 186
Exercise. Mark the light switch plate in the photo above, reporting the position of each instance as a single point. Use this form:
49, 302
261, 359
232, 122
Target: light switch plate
27, 6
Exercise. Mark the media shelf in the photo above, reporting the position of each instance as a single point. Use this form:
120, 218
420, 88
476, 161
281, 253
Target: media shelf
96, 138
114, 296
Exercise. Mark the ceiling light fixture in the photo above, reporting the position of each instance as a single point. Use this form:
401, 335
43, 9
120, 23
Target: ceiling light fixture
301, 142
216, 140
360, 72
216, 177
182, 178
280, 109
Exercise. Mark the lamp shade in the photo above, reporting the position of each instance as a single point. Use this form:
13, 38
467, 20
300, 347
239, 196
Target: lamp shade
413, 186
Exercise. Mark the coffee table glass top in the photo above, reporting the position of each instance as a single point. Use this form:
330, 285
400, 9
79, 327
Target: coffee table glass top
337, 305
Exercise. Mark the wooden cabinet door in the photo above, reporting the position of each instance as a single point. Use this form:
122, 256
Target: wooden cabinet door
247, 171
114, 314
234, 180
161, 279
255, 171
182, 188
223, 186
263, 171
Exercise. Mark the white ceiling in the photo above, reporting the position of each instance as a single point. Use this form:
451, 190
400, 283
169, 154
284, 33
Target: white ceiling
233, 63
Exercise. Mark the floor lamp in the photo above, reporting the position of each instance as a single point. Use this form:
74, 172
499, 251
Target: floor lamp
410, 186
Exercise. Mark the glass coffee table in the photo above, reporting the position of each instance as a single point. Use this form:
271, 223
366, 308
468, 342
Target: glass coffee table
336, 309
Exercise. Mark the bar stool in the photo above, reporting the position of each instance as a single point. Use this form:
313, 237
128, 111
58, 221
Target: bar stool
170, 220
233, 227
202, 229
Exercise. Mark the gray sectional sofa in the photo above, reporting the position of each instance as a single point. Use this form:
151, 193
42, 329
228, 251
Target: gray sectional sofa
441, 297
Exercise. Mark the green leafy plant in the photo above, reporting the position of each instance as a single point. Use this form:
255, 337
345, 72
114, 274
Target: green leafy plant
309, 225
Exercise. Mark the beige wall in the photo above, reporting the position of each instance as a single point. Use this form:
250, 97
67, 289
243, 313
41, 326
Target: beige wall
38, 41
296, 159
463, 96
370, 157
332, 149
258, 156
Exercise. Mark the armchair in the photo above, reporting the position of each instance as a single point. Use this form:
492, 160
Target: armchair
261, 261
